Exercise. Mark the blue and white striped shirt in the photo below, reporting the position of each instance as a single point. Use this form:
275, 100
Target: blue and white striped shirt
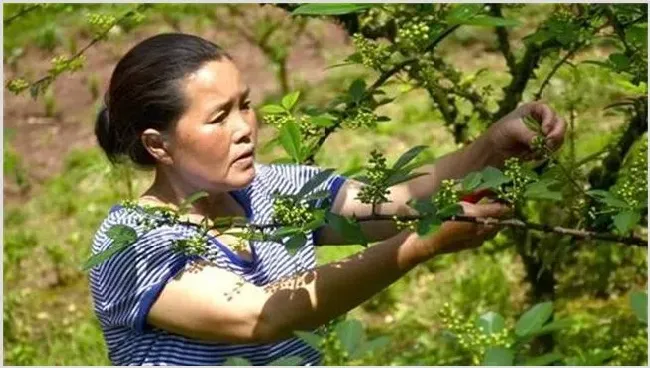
125, 287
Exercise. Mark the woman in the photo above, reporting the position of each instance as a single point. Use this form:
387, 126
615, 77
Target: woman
177, 104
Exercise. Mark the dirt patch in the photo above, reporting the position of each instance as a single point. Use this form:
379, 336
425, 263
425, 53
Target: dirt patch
42, 141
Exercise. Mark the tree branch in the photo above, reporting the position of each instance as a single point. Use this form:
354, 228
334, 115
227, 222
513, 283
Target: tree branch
46, 80
513, 223
378, 83
504, 39
556, 67
22, 12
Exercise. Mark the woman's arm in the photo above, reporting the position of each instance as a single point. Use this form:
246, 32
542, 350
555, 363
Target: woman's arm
212, 304
509, 137
453, 165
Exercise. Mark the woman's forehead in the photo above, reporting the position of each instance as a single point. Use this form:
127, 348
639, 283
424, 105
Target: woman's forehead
220, 78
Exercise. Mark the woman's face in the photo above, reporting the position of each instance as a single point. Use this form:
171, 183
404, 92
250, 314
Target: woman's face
214, 140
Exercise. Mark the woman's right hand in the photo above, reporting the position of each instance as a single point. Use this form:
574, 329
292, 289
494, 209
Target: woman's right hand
455, 236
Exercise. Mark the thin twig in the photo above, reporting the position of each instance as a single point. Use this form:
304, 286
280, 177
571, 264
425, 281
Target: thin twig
556, 67
94, 41
24, 11
514, 223
378, 83
504, 40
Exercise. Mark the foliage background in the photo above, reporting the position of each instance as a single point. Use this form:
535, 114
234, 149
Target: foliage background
58, 186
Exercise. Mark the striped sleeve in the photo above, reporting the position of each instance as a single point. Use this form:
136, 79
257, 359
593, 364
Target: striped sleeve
299, 175
127, 285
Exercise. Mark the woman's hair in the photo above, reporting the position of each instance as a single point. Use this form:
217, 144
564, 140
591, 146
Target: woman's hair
145, 91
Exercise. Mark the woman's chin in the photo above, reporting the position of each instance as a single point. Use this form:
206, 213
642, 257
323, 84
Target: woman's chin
243, 176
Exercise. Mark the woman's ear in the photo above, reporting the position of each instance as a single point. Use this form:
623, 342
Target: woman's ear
157, 144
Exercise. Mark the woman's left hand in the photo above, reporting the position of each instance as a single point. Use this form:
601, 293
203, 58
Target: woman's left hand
510, 137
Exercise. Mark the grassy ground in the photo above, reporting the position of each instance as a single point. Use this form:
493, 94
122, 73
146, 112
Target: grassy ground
48, 316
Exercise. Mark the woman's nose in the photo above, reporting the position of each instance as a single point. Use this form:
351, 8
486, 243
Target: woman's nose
242, 128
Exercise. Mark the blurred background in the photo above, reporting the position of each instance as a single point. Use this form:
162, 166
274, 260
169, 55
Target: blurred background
58, 186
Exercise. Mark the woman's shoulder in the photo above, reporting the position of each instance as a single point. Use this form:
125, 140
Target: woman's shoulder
288, 178
131, 222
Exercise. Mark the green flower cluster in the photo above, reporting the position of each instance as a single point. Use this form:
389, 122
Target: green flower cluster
373, 54
100, 23
193, 246
307, 129
469, 336
414, 34
375, 191
632, 351
287, 211
361, 117
633, 185
521, 177
447, 195
332, 349
408, 224
538, 145
17, 85
61, 64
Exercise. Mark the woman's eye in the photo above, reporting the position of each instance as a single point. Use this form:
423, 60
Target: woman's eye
218, 119
246, 105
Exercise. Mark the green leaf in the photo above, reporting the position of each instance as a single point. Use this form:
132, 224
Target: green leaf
608, 198
534, 319
351, 334
462, 12
626, 220
493, 178
408, 156
428, 224
185, 205
540, 190
471, 181
348, 229
423, 206
357, 89
286, 361
552, 326
620, 61
122, 237
489, 21
370, 346
639, 304
315, 181
296, 242
310, 338
291, 140
491, 323
273, 109
545, 359
538, 37
237, 361
401, 177
289, 101
324, 120
449, 211
321, 194
499, 356
330, 9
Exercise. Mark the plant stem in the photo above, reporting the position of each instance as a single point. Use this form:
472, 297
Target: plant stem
556, 67
378, 83
24, 11
514, 223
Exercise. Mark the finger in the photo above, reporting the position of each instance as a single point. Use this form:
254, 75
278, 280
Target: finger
494, 209
544, 114
556, 136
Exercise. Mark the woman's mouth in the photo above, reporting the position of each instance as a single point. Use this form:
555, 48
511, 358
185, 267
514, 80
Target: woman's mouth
245, 159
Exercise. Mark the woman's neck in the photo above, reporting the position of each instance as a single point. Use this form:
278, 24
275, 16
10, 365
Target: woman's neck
169, 192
